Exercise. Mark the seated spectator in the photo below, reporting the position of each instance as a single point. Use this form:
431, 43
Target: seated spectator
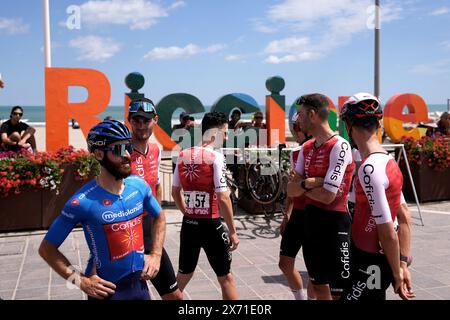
16, 134
108, 118
443, 125
235, 117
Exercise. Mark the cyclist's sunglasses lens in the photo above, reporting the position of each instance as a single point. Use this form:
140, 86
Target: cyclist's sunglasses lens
144, 105
119, 149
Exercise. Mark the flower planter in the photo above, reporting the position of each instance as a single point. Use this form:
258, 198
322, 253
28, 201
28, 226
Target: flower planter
53, 203
21, 212
431, 185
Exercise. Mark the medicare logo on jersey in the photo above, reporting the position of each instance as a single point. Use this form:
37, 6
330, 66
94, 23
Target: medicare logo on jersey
110, 216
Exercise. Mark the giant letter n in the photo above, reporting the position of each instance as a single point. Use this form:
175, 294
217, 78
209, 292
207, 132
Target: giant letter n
58, 109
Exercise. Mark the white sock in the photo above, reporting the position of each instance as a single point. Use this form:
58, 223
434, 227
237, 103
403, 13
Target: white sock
299, 294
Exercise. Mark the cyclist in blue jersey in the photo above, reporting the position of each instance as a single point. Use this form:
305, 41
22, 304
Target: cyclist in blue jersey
110, 209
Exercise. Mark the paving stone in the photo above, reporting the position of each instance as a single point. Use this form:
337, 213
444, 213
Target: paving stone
30, 293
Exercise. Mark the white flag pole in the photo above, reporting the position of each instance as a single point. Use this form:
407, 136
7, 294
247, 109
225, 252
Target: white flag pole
47, 39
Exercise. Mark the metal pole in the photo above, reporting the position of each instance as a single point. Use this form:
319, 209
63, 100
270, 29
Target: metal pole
377, 49
412, 183
47, 39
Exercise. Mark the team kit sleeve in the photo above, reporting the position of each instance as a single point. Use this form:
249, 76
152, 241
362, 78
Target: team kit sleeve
158, 180
374, 182
340, 158
176, 177
70, 216
220, 168
300, 165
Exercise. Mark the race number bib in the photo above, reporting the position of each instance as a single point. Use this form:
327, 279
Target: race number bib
196, 199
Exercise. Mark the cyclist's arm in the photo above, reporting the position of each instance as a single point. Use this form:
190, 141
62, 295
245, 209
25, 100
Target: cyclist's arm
340, 157
293, 188
381, 213
153, 208
223, 198
158, 188
176, 191
404, 228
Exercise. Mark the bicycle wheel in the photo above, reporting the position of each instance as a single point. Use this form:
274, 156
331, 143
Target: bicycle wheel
264, 182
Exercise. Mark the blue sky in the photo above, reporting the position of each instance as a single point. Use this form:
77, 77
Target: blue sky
212, 48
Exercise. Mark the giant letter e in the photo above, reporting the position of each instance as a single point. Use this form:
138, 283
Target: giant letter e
58, 109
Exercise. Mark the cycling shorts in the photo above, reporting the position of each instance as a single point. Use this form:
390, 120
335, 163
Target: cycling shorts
130, 287
326, 248
294, 234
371, 276
210, 235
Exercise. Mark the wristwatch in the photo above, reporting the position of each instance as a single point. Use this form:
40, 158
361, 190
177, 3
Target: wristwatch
303, 185
407, 259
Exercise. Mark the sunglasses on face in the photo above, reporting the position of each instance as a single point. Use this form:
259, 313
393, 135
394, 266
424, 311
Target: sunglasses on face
142, 105
17, 114
119, 149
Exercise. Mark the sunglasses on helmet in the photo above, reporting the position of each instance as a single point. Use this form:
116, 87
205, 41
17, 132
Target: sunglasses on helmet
119, 149
142, 105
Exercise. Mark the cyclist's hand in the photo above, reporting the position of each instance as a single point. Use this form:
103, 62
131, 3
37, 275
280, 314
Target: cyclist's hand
234, 241
283, 224
399, 287
96, 287
314, 182
152, 263
407, 282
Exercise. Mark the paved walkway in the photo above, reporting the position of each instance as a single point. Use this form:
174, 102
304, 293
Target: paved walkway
24, 275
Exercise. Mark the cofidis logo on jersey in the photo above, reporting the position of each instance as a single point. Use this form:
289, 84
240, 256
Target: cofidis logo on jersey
110, 216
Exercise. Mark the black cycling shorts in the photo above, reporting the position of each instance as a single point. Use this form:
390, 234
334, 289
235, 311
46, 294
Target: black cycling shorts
294, 234
371, 276
326, 248
165, 281
210, 235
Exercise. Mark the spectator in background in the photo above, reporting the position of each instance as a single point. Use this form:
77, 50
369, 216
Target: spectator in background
108, 118
257, 121
235, 117
186, 122
443, 125
16, 134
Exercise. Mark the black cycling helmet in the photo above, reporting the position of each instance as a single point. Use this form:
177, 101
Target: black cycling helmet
361, 105
105, 133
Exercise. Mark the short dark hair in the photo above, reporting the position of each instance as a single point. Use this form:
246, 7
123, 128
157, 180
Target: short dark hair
236, 111
213, 120
15, 108
369, 124
317, 102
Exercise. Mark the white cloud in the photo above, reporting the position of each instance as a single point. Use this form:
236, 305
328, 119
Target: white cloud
168, 53
234, 57
440, 11
176, 5
13, 26
138, 14
93, 48
328, 23
436, 68
263, 27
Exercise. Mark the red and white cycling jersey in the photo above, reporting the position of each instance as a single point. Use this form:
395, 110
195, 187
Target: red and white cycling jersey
332, 161
201, 172
146, 166
299, 202
378, 189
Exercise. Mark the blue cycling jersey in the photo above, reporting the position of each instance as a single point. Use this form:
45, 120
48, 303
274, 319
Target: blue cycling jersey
112, 226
